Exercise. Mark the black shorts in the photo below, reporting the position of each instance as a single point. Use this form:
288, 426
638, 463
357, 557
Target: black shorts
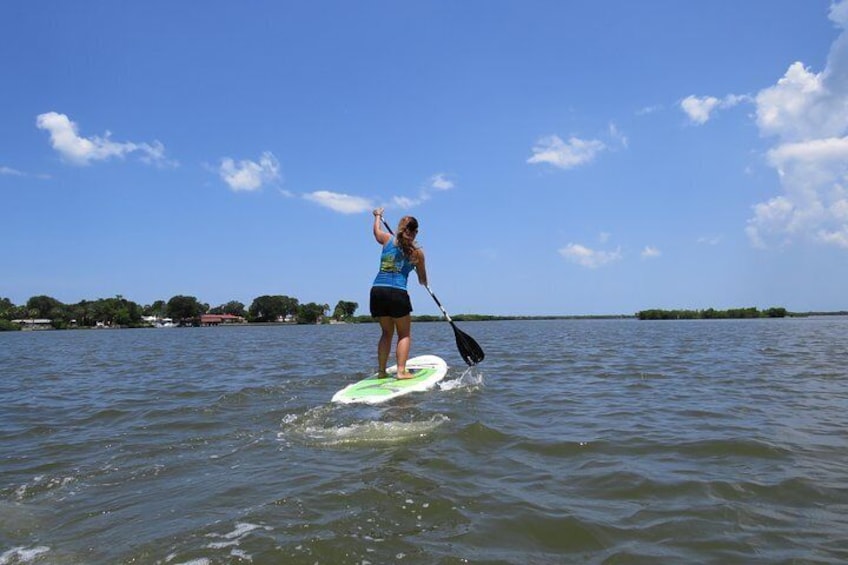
388, 301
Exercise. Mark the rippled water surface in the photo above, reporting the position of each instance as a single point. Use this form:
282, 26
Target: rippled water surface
574, 442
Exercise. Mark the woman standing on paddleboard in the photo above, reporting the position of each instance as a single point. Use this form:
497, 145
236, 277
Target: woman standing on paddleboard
390, 302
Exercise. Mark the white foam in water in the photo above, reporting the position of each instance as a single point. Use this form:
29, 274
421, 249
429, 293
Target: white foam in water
374, 432
470, 378
233, 539
320, 425
198, 561
40, 482
22, 554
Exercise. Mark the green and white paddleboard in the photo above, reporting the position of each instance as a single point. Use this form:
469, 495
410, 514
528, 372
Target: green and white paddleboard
428, 370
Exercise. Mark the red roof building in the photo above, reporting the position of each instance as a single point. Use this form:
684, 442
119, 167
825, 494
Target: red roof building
218, 319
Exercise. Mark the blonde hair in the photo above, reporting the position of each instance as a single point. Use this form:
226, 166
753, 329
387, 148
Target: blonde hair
406, 230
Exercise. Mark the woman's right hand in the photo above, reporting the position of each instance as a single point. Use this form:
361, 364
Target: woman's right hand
378, 212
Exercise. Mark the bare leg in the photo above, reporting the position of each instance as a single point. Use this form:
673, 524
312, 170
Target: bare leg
404, 329
384, 346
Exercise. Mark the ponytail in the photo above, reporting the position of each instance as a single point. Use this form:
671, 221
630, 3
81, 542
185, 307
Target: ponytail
406, 231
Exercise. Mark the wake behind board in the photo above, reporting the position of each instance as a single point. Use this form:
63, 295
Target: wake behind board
428, 370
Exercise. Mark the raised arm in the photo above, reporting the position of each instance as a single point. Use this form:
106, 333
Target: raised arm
381, 236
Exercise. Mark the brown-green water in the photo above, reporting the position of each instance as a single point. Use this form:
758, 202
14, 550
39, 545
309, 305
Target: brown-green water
611, 441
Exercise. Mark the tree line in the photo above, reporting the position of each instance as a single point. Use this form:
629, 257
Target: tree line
711, 314
183, 310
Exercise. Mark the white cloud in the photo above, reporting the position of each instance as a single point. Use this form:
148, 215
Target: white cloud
65, 138
350, 204
10, 172
249, 175
709, 240
404, 202
807, 114
700, 109
814, 176
338, 202
556, 152
589, 258
436, 183
441, 182
650, 252
617, 136
649, 110
792, 109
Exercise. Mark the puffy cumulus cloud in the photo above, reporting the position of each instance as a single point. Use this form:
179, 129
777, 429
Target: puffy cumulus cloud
78, 150
700, 109
554, 151
589, 258
807, 114
339, 202
814, 176
792, 109
247, 175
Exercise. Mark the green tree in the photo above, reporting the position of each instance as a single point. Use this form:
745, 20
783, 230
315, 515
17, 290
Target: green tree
81, 312
232, 307
272, 308
158, 309
6, 309
8, 313
186, 309
125, 312
44, 307
344, 310
114, 312
311, 313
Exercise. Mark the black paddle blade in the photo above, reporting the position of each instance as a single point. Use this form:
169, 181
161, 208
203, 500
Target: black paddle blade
469, 349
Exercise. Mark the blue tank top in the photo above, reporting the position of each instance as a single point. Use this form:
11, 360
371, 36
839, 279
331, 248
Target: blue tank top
394, 267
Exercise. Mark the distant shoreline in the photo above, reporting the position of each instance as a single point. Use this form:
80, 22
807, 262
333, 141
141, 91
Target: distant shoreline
486, 318
35, 324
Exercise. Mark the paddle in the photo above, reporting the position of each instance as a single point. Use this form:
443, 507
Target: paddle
469, 350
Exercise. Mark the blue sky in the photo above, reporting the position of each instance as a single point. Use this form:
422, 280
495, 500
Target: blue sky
561, 157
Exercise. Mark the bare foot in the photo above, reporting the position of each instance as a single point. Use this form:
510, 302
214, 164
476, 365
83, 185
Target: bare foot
405, 375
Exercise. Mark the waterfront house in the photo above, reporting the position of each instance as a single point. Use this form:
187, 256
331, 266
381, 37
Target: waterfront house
34, 324
220, 319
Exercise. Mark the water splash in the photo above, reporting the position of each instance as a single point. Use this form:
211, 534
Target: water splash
471, 378
333, 426
22, 554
